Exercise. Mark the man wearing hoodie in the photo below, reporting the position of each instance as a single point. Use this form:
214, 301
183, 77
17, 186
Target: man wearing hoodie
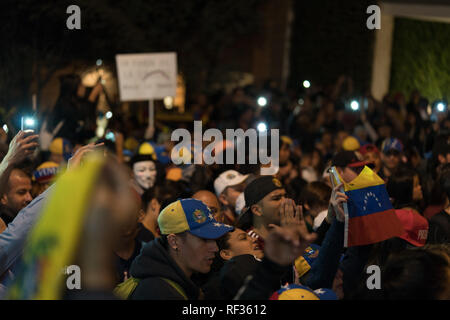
187, 246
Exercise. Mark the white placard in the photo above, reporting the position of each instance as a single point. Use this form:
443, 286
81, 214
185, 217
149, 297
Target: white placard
147, 76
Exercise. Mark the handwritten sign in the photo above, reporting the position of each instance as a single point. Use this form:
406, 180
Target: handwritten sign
147, 76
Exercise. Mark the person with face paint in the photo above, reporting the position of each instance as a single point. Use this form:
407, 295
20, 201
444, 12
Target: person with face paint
145, 172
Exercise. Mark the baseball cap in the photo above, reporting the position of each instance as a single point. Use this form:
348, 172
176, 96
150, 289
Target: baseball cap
299, 292
391, 144
62, 147
415, 226
147, 148
193, 216
259, 188
347, 159
368, 148
254, 192
286, 140
227, 179
45, 172
350, 144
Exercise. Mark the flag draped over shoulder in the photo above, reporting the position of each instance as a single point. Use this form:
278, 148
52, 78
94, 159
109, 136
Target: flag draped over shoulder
52, 244
370, 217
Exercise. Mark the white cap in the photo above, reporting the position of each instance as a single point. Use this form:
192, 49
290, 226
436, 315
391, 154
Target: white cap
227, 179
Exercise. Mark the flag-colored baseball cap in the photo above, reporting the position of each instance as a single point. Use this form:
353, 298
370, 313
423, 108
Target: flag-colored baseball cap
193, 216
392, 144
45, 172
299, 292
62, 147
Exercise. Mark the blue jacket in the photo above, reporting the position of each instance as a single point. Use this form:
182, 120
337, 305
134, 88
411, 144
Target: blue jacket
12, 240
324, 269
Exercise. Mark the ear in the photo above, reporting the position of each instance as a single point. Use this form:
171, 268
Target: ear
225, 254
4, 200
223, 199
153, 204
172, 240
141, 215
256, 209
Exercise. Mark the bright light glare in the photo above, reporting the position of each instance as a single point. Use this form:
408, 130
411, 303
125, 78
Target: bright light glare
440, 107
262, 127
99, 62
168, 102
306, 84
29, 122
109, 115
354, 105
5, 128
262, 101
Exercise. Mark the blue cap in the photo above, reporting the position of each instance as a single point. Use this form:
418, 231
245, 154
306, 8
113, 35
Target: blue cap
299, 292
193, 216
391, 144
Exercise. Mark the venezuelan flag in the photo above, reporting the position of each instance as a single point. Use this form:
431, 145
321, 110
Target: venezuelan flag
53, 242
370, 217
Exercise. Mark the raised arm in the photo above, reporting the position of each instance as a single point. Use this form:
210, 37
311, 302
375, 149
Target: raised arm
21, 146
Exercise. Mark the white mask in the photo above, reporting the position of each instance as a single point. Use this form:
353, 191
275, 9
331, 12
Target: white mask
145, 173
240, 203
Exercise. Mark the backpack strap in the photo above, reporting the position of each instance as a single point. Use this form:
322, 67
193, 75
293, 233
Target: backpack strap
126, 288
177, 287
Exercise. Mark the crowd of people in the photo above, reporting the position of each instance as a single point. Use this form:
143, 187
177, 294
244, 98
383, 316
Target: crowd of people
141, 227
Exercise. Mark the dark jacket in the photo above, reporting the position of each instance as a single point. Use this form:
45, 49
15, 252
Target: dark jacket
324, 269
263, 282
234, 273
6, 214
439, 231
151, 266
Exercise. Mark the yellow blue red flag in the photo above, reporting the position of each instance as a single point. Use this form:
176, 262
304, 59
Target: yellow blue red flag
52, 243
370, 217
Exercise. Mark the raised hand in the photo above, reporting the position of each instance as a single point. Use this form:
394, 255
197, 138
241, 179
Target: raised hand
336, 202
20, 147
75, 160
287, 242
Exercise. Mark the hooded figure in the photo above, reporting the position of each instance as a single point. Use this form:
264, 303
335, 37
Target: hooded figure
187, 246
